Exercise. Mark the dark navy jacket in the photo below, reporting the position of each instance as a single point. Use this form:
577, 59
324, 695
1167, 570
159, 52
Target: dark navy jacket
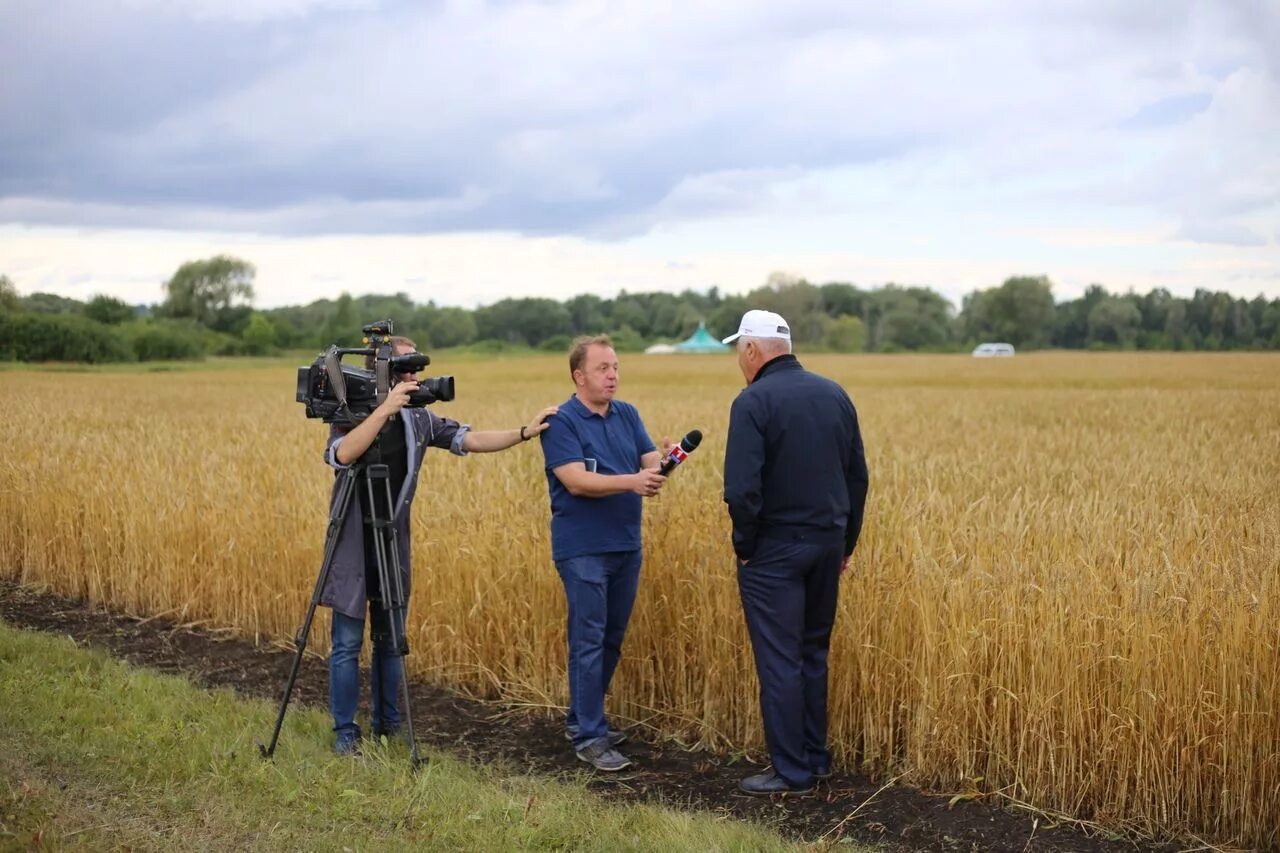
794, 466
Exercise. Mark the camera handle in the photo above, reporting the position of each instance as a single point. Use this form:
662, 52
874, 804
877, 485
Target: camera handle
391, 589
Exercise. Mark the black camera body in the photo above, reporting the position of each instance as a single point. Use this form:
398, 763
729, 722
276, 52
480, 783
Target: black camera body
340, 393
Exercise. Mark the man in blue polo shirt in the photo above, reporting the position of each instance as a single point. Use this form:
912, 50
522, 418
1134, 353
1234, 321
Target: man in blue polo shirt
600, 462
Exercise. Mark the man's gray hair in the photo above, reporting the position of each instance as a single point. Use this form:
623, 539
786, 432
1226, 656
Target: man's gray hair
768, 346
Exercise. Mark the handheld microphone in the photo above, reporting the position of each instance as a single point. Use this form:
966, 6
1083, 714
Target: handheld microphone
681, 451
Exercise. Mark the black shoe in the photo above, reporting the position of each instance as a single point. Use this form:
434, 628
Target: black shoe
823, 771
389, 733
347, 743
770, 784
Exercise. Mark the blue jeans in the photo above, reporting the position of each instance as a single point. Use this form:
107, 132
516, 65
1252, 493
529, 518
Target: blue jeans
789, 592
344, 673
600, 590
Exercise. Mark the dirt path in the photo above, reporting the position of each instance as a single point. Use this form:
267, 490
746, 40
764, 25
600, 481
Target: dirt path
899, 817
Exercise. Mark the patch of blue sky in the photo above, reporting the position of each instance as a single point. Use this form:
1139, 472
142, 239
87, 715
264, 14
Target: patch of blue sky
1166, 111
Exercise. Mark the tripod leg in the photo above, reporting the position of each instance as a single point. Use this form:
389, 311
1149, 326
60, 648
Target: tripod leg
394, 601
336, 520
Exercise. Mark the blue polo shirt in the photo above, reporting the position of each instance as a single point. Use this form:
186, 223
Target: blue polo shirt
612, 444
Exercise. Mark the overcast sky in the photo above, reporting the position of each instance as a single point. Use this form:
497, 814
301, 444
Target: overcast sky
467, 151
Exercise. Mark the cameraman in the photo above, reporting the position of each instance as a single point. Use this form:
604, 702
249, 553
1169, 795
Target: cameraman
403, 435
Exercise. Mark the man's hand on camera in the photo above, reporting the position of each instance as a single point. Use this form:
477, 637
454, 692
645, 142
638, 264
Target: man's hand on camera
397, 397
647, 482
539, 423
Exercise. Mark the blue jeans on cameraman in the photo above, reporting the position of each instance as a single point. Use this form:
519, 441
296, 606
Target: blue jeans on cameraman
600, 590
344, 673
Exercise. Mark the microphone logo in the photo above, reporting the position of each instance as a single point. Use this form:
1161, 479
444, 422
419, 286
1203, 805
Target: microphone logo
680, 452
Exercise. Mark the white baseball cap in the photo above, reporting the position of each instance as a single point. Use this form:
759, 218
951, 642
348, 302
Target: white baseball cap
761, 324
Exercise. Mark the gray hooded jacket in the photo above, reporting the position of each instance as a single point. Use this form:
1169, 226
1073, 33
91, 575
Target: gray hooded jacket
344, 589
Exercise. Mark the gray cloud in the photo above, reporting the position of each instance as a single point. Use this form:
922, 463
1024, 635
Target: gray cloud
309, 116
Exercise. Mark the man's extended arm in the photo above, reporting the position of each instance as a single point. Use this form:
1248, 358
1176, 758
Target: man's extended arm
490, 440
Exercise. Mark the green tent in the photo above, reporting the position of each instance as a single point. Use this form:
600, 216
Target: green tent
701, 341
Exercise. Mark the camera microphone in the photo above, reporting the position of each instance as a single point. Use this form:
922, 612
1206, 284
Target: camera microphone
681, 451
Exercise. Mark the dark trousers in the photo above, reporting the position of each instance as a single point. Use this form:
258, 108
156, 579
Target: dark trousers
789, 591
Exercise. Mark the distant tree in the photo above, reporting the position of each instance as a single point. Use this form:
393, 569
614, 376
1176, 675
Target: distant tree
674, 316
893, 318
1175, 326
43, 336
631, 312
9, 299
259, 335
800, 304
724, 319
847, 333
907, 318
165, 340
1114, 322
523, 321
587, 314
452, 327
398, 307
52, 303
341, 327
1269, 322
1020, 311
109, 310
556, 343
1219, 319
838, 299
1071, 318
214, 292
627, 339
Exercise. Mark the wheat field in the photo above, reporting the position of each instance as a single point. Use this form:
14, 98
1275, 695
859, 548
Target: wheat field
1067, 593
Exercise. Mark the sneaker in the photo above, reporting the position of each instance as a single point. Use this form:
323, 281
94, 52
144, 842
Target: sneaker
390, 732
347, 743
770, 784
822, 771
616, 737
602, 756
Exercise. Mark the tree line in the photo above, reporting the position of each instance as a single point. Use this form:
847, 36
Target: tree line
208, 310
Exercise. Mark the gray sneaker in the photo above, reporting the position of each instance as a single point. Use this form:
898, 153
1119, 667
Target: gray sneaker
616, 738
602, 756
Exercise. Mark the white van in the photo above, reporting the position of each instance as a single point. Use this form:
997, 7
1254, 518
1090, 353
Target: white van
993, 350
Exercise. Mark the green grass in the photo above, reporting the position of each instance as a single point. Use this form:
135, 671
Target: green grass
96, 755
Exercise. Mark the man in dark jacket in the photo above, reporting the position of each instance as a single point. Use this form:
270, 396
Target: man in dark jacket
403, 436
795, 481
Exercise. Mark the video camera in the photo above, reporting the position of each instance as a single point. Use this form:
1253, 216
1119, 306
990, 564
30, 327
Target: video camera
340, 393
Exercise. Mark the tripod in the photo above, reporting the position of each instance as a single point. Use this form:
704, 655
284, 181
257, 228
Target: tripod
391, 587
